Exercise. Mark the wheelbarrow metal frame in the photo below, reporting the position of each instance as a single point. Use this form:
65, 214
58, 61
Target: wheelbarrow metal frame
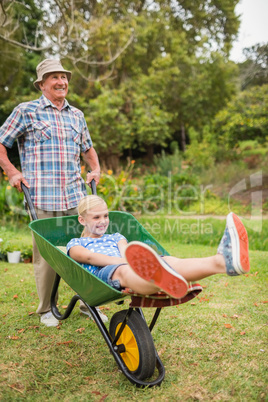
110, 342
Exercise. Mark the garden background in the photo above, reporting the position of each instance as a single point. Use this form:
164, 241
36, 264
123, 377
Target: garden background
182, 136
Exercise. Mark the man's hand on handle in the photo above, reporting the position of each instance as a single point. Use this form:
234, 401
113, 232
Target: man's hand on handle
92, 160
93, 175
16, 179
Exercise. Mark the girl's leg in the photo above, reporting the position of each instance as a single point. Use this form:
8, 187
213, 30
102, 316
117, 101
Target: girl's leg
129, 279
150, 273
194, 269
231, 258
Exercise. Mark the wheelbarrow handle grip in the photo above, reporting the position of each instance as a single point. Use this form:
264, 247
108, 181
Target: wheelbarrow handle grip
29, 201
93, 185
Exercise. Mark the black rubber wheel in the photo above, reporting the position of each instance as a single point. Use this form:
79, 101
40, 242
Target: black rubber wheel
139, 351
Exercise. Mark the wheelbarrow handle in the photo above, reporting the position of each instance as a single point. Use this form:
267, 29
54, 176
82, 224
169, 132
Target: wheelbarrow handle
93, 185
29, 202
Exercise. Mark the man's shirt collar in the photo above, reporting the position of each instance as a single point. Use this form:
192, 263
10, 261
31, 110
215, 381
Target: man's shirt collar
45, 102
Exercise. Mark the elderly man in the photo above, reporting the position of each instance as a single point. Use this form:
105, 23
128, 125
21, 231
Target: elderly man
51, 136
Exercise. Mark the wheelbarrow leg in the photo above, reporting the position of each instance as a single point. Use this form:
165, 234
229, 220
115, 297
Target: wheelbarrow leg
54, 307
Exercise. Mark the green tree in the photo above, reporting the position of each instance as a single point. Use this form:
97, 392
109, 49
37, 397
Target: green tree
254, 71
244, 118
109, 126
150, 121
92, 35
17, 67
148, 70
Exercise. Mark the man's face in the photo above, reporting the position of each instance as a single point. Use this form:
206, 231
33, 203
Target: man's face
55, 86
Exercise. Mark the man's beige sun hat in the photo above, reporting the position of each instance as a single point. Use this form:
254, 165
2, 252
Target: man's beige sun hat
49, 66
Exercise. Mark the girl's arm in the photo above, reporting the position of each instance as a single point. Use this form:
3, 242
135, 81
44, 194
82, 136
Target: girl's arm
84, 256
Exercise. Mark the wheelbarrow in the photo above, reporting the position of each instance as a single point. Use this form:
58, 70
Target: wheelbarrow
129, 336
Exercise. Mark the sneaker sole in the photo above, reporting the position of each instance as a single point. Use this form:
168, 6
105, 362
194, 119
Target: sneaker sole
239, 240
88, 314
50, 323
149, 266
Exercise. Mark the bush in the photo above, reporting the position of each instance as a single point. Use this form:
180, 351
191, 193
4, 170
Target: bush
11, 203
166, 164
16, 241
201, 153
149, 194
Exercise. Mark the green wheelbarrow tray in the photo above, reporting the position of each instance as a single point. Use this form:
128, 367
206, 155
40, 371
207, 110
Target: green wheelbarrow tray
52, 233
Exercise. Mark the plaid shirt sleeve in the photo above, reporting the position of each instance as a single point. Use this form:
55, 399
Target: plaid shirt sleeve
12, 128
86, 142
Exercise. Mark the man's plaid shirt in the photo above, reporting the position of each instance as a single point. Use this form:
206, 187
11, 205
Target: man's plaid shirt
50, 142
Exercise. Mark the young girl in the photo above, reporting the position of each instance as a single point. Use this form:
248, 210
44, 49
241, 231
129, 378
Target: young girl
138, 267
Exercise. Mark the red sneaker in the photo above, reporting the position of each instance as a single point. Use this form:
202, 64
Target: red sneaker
151, 267
234, 246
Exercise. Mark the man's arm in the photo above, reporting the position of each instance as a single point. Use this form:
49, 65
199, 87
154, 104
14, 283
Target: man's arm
91, 159
15, 177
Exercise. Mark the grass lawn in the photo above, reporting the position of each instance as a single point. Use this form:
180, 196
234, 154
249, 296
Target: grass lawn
213, 348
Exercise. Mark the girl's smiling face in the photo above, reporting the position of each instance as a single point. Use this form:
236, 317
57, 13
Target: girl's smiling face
96, 221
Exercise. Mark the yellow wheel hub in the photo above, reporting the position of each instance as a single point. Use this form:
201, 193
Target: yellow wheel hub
131, 356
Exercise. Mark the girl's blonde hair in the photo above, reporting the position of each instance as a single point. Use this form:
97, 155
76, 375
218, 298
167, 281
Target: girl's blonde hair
89, 202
